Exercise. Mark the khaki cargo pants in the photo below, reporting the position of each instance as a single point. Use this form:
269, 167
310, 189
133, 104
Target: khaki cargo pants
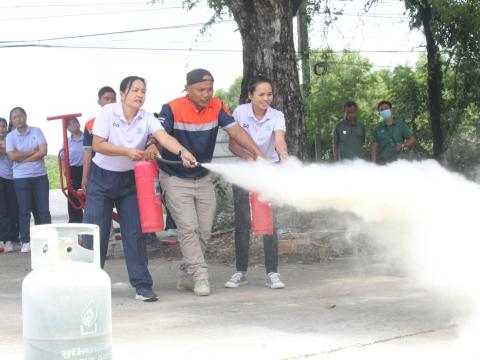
191, 202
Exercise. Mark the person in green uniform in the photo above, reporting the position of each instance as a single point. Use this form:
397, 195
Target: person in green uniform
348, 135
391, 139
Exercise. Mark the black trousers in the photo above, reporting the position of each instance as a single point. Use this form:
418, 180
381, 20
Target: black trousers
75, 215
242, 234
8, 211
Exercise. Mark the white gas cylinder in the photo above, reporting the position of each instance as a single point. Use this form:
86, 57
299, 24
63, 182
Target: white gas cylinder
66, 298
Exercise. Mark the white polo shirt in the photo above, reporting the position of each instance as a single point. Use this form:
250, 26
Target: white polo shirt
28, 141
262, 131
111, 124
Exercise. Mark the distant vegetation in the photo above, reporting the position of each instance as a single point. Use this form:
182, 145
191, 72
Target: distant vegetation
52, 168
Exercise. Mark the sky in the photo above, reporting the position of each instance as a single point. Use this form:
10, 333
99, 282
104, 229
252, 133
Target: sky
56, 55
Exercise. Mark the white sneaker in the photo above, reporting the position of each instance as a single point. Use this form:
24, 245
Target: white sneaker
273, 281
25, 248
237, 279
10, 247
202, 287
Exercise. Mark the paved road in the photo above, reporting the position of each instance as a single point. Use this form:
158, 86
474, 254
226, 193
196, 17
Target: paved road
349, 308
336, 310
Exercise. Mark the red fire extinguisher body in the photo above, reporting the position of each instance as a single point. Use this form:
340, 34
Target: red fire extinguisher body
261, 216
148, 196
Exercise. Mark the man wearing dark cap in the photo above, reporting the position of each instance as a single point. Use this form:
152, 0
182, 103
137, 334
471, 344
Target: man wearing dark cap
194, 120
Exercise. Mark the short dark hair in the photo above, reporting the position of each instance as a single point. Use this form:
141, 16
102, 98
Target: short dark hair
350, 104
257, 79
126, 83
105, 90
3, 120
384, 102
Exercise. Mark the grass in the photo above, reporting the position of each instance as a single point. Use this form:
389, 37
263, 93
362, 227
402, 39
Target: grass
52, 168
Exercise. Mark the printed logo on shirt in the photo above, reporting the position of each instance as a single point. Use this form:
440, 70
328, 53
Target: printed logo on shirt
245, 125
268, 128
116, 124
139, 130
161, 118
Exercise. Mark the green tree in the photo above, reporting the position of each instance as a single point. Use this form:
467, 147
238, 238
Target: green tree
231, 96
451, 27
266, 28
341, 77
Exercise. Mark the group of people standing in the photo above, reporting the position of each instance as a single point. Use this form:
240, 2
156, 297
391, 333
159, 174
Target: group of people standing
24, 187
391, 140
185, 131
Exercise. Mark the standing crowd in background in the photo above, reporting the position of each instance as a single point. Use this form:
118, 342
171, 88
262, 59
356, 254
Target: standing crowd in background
101, 162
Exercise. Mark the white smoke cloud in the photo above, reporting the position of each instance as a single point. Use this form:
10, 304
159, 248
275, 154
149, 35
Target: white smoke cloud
426, 217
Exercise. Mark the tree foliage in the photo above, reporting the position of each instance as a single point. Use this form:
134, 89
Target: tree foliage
231, 96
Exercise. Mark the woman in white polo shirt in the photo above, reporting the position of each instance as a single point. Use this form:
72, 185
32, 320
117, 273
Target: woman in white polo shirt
27, 148
120, 136
266, 126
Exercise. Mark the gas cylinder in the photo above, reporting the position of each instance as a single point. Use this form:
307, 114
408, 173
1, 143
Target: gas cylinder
148, 196
261, 215
66, 298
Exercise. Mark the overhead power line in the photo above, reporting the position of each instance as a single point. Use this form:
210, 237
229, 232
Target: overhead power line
109, 33
117, 48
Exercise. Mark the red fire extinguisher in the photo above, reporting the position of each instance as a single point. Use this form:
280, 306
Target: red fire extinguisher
148, 196
261, 216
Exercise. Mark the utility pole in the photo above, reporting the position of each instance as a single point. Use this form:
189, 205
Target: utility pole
304, 52
303, 47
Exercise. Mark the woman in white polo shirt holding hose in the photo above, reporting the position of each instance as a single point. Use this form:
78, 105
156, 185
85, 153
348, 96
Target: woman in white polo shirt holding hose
120, 136
266, 126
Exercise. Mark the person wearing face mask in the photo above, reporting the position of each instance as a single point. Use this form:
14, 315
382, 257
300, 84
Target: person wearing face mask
266, 126
120, 134
75, 157
348, 135
391, 139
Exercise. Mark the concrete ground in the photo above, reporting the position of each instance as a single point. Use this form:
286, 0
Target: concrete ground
348, 308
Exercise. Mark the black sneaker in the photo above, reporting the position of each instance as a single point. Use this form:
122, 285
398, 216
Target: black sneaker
145, 294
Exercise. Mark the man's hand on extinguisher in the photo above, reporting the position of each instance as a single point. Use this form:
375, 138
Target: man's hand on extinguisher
188, 160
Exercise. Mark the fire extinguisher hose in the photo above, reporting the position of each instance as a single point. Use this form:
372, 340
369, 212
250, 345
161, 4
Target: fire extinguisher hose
173, 162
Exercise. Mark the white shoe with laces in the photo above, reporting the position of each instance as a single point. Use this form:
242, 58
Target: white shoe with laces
237, 279
25, 248
273, 281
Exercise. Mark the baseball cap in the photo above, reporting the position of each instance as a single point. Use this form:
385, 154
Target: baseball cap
197, 75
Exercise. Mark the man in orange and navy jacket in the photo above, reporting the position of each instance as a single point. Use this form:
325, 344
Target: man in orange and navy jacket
189, 192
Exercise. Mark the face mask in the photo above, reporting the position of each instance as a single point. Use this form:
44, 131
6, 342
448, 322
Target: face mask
386, 114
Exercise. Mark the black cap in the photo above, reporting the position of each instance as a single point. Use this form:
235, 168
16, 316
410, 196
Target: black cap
197, 75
